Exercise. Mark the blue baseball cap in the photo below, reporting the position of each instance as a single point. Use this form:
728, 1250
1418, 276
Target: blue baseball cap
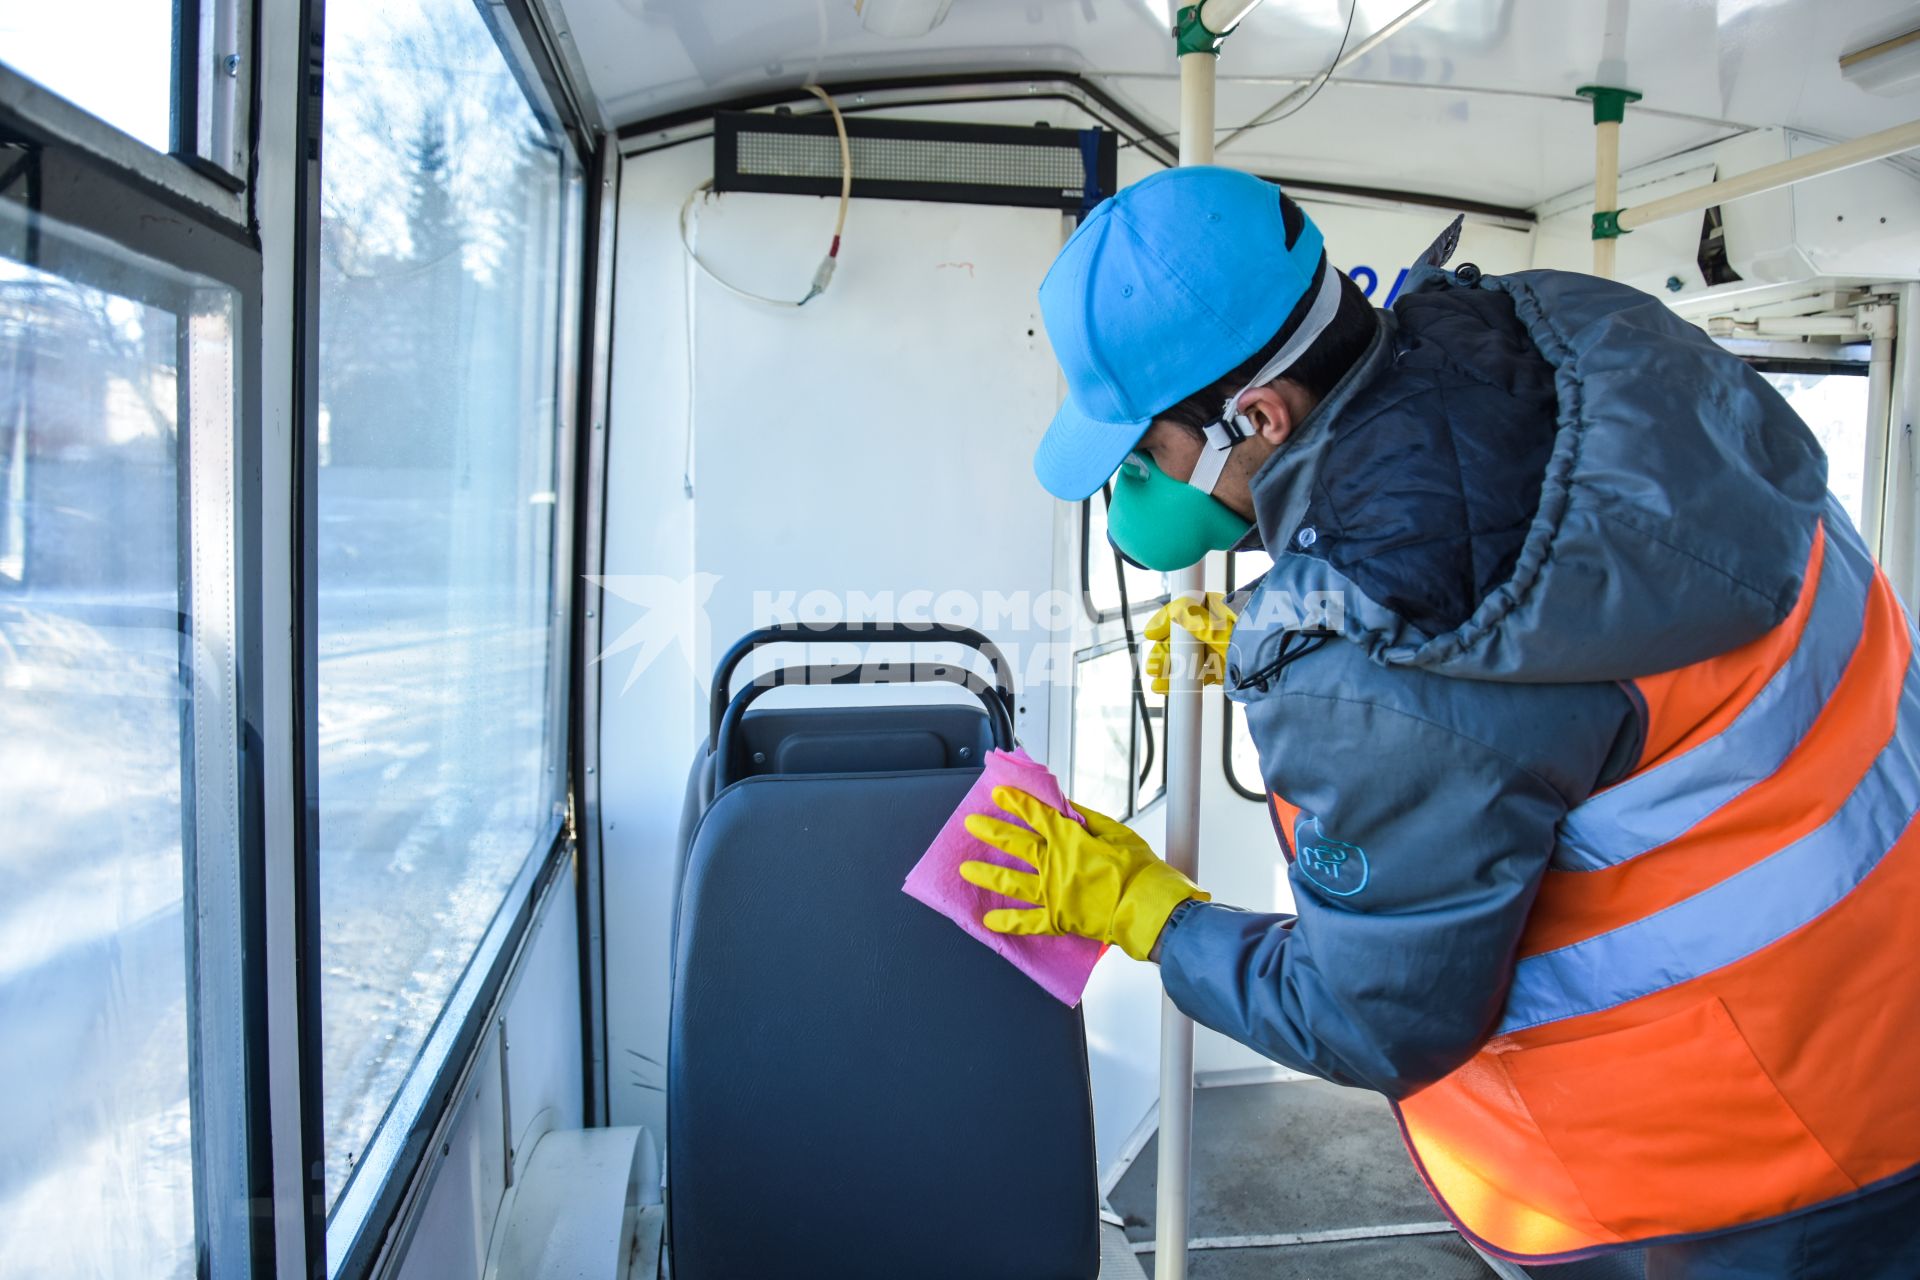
1164, 287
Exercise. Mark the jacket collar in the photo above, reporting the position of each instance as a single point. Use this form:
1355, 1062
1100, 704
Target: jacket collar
1283, 485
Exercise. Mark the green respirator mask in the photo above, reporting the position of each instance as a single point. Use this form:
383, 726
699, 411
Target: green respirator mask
1165, 524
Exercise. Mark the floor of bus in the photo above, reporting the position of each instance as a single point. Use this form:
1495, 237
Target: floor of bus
1303, 1178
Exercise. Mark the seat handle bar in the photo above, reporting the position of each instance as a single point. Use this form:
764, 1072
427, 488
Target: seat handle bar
726, 766
998, 696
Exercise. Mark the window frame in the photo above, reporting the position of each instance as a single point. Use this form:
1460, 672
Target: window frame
1227, 719
1140, 796
206, 190
588, 533
214, 56
1095, 614
87, 175
365, 1229
1846, 360
1147, 723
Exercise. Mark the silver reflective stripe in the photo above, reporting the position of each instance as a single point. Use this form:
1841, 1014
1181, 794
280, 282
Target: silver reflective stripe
1743, 913
1660, 804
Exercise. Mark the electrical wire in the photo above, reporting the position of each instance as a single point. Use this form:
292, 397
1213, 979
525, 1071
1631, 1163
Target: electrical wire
1319, 83
1133, 656
823, 274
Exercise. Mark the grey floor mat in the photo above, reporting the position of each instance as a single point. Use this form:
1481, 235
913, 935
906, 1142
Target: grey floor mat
1117, 1260
1306, 1156
1299, 1156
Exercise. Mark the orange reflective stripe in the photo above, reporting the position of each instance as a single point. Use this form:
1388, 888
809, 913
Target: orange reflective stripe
1471, 1140
1853, 728
1691, 704
1828, 1010
1284, 817
1285, 814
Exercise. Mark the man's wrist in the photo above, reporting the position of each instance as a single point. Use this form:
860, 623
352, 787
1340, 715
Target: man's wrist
1167, 928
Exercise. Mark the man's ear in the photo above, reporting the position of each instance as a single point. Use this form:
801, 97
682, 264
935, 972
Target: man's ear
1269, 412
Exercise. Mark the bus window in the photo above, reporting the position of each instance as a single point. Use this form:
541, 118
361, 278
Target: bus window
1103, 717
1238, 756
445, 206
109, 57
1834, 407
1100, 570
118, 746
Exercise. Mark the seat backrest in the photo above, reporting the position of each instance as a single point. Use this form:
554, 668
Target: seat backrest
855, 1088
879, 738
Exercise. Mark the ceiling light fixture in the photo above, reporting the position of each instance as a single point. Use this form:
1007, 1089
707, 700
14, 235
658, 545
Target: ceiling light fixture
901, 19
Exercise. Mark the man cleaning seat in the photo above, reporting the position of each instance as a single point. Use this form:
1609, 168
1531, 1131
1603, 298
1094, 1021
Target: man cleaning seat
1590, 728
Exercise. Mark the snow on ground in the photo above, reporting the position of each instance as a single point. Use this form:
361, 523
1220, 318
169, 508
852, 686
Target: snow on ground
433, 790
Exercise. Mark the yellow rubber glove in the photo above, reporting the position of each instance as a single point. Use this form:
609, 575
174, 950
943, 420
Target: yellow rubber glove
1100, 881
1211, 622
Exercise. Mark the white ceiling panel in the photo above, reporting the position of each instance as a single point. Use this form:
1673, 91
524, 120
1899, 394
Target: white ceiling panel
1472, 99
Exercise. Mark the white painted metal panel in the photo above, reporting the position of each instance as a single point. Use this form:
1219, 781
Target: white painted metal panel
534, 1087
544, 1046
876, 442
647, 717
450, 1236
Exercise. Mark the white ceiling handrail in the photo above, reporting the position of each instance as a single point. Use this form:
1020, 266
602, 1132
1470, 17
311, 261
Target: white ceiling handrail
1843, 155
1222, 16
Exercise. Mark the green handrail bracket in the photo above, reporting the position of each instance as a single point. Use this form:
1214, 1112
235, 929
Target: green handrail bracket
1190, 35
1609, 104
1606, 225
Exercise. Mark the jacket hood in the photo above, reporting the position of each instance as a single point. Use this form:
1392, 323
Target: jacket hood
1676, 510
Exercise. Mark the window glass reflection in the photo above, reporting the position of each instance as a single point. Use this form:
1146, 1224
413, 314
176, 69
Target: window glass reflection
1144, 587
1834, 407
1102, 723
101, 659
112, 58
443, 202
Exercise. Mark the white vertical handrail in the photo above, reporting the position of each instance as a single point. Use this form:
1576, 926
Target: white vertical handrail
1609, 108
1606, 190
1183, 770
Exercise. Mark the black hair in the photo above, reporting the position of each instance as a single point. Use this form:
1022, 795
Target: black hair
1324, 362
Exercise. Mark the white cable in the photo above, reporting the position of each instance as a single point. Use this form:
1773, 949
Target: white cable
692, 336
823, 274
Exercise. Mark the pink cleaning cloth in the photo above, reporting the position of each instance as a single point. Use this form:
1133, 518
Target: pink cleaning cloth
1060, 964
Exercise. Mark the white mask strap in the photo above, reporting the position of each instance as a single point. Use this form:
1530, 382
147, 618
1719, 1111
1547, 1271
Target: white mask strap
1221, 438
1326, 305
1233, 426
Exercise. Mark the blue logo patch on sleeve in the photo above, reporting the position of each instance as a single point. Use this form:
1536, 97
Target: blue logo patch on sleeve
1333, 866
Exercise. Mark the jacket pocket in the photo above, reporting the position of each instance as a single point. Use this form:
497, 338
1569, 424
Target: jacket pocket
1673, 1126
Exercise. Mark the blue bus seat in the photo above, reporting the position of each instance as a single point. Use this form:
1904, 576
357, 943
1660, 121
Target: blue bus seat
855, 1087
